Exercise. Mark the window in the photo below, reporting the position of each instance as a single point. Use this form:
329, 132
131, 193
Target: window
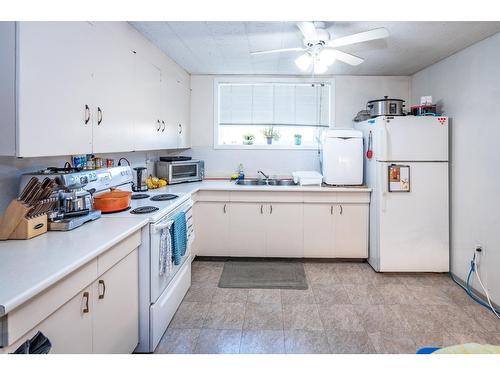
283, 113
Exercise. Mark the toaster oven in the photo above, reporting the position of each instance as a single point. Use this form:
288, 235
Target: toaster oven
176, 172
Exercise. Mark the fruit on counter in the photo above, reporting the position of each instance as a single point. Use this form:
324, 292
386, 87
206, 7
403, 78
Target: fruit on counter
155, 182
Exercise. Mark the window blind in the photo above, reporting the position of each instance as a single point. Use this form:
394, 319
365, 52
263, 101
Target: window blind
274, 104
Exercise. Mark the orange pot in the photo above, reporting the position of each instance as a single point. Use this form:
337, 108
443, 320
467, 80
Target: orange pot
112, 201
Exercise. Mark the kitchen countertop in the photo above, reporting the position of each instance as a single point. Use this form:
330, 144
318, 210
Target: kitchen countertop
27, 267
224, 185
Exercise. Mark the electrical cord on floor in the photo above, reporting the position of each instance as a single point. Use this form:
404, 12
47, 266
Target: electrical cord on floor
474, 269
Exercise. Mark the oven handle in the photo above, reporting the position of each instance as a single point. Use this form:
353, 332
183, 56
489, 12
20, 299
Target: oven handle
159, 227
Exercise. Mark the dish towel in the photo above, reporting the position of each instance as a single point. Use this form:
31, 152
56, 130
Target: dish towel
179, 237
166, 264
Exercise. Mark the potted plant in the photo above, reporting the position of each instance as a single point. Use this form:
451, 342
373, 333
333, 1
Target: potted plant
270, 134
297, 139
248, 139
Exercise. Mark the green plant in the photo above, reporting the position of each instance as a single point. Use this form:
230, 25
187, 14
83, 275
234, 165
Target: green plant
270, 133
248, 137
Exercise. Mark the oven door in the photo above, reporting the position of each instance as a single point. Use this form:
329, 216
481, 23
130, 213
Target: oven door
183, 172
160, 282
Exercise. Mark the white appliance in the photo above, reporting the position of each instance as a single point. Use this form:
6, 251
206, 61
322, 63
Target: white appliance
342, 157
409, 221
159, 295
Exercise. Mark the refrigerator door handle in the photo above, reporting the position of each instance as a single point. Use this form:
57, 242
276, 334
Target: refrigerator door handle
385, 140
384, 187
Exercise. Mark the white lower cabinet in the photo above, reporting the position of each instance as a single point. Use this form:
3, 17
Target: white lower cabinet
319, 234
211, 220
115, 326
351, 230
102, 318
248, 230
284, 230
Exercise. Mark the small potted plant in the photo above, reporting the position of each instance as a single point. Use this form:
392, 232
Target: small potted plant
270, 134
248, 139
297, 139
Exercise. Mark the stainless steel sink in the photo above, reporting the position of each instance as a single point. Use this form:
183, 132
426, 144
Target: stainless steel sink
268, 182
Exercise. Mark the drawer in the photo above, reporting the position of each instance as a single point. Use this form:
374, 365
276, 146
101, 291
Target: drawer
118, 252
211, 196
337, 197
30, 314
267, 196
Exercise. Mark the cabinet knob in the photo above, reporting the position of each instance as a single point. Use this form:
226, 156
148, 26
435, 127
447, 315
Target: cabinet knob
101, 295
86, 302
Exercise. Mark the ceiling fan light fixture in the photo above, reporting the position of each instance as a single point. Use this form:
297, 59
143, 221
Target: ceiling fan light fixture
304, 61
327, 56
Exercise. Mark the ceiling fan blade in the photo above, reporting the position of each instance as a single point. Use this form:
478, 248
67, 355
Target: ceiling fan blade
365, 36
277, 51
346, 57
308, 30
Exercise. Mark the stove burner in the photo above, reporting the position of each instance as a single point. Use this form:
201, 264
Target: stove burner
164, 197
114, 212
144, 210
139, 196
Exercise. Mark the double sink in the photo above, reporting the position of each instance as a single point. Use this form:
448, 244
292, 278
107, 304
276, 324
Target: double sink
267, 182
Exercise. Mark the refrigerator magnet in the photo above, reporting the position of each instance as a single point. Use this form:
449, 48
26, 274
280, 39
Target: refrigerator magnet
399, 178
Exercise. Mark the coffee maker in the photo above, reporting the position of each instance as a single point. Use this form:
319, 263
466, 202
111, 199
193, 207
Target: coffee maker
139, 179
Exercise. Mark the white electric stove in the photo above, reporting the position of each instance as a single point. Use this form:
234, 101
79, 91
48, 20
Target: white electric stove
159, 295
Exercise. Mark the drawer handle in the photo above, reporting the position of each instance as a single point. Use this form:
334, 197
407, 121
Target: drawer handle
101, 295
159, 126
180, 128
86, 298
341, 210
261, 209
270, 208
224, 209
163, 128
99, 115
87, 114
331, 210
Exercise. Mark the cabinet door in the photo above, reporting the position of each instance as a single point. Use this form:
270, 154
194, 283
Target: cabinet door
184, 127
116, 308
318, 230
69, 329
284, 230
169, 110
212, 228
351, 231
248, 230
55, 64
113, 102
147, 124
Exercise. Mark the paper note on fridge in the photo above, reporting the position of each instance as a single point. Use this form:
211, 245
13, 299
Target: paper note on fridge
399, 178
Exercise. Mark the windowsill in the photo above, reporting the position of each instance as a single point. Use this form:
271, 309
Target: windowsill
265, 147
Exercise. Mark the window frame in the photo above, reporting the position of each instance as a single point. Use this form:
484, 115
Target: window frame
270, 80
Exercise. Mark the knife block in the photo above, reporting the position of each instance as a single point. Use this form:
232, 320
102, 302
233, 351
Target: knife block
14, 225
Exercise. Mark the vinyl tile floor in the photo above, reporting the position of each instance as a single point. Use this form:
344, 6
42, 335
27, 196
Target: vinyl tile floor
348, 308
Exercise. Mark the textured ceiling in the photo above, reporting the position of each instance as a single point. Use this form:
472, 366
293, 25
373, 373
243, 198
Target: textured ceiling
224, 47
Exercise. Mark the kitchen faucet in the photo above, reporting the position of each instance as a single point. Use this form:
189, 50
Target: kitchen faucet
263, 174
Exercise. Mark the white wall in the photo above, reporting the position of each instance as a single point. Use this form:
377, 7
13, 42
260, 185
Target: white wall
351, 95
467, 88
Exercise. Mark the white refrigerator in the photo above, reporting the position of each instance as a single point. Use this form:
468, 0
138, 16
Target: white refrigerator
406, 166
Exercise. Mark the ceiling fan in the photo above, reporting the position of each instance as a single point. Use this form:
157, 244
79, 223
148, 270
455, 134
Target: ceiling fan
320, 50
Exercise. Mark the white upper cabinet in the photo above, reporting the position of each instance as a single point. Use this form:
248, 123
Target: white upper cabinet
147, 119
55, 88
80, 87
113, 99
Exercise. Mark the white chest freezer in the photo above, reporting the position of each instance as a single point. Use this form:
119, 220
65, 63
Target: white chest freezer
342, 157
